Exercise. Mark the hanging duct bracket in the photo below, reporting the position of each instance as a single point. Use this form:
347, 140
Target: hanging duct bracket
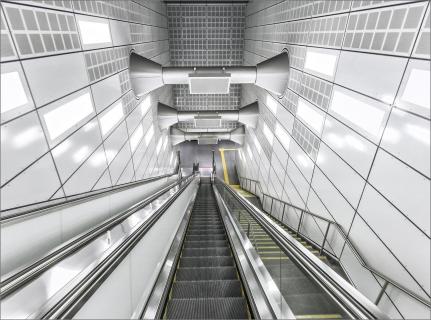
178, 136
247, 115
147, 75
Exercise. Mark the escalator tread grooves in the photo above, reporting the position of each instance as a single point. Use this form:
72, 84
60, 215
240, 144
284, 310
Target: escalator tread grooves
206, 284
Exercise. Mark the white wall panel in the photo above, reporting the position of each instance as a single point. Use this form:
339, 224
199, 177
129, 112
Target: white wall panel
408, 138
22, 142
394, 179
353, 148
120, 32
376, 211
28, 188
54, 77
374, 75
106, 92
341, 175
333, 200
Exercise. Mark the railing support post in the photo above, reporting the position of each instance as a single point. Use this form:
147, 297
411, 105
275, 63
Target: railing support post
282, 215
381, 293
270, 210
324, 238
248, 230
299, 224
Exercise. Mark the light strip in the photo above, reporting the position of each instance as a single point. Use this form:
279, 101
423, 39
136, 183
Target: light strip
12, 92
145, 105
111, 118
417, 88
320, 62
69, 114
159, 145
310, 116
282, 136
271, 104
149, 135
358, 113
268, 134
136, 137
94, 32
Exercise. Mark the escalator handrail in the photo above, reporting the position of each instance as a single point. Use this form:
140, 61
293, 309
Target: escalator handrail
355, 251
19, 277
70, 298
77, 199
354, 301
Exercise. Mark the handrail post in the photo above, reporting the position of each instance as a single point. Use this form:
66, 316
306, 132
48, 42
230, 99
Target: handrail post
324, 238
282, 215
270, 210
248, 230
382, 291
299, 224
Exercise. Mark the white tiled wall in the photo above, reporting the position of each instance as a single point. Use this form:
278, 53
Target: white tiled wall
54, 52
356, 142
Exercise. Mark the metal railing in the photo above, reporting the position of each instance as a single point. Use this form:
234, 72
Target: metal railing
253, 186
79, 198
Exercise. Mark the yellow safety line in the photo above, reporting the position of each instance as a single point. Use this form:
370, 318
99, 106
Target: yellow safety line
223, 162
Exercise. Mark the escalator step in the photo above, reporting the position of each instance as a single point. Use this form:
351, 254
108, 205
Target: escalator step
205, 237
212, 273
309, 304
196, 262
200, 232
213, 308
205, 244
201, 252
206, 289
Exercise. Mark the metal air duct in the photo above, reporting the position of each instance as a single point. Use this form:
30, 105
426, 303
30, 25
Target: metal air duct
271, 74
178, 136
247, 115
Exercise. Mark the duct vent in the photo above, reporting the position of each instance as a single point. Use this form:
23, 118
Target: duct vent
208, 122
208, 140
215, 83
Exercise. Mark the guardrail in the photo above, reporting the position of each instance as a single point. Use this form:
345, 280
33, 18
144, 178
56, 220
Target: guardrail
253, 186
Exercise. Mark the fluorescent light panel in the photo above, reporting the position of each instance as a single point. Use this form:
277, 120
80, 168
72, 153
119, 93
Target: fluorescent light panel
12, 92
358, 113
417, 90
136, 137
282, 136
111, 118
310, 116
145, 105
268, 134
64, 117
323, 63
159, 145
94, 32
271, 104
149, 135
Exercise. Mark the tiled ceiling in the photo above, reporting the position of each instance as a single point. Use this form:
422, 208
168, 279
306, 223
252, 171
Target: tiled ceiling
206, 34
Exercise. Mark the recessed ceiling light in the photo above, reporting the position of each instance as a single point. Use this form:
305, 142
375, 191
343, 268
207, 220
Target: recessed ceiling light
358, 112
323, 63
12, 91
64, 117
94, 32
111, 118
149, 135
310, 116
268, 134
136, 138
417, 88
282, 136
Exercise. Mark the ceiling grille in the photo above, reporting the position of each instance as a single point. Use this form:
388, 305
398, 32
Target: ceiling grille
206, 35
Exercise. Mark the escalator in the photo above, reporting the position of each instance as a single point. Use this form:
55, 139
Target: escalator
206, 284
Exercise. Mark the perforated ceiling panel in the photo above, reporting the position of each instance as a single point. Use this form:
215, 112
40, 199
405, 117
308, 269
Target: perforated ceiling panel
206, 35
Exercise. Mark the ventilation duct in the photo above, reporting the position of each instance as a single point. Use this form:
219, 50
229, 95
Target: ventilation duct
178, 136
247, 115
271, 74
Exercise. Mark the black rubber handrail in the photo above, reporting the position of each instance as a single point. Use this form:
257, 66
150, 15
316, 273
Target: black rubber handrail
79, 199
18, 278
